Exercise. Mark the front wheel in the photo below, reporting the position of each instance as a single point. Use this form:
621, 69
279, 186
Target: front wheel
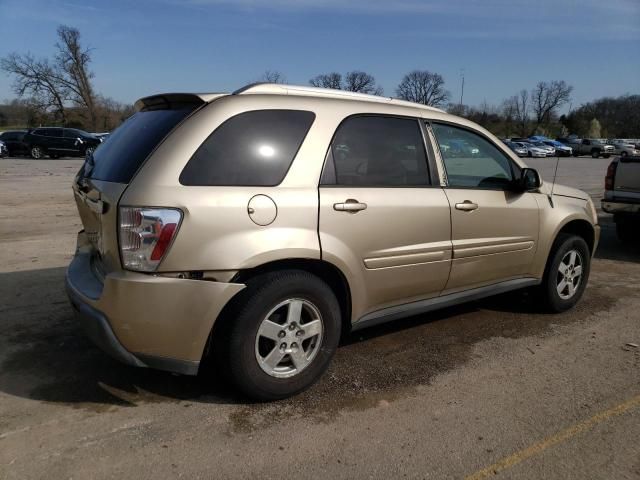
623, 154
595, 153
281, 335
566, 273
37, 153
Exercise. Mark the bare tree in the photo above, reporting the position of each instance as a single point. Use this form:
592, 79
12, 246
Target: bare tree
517, 107
73, 62
327, 80
37, 80
362, 82
546, 97
273, 76
422, 86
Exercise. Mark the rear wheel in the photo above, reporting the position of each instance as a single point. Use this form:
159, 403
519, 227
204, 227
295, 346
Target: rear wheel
566, 273
281, 335
623, 154
37, 153
595, 153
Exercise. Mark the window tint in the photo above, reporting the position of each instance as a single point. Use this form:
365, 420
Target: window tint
472, 161
131, 143
377, 151
75, 133
253, 148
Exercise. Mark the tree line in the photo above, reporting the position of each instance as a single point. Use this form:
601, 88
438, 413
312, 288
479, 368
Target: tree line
60, 91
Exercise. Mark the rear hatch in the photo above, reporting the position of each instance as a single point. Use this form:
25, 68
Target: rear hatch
106, 173
627, 179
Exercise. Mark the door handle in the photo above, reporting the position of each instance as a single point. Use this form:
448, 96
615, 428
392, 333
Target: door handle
467, 206
350, 205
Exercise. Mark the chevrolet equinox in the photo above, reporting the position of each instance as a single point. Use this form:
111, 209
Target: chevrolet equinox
254, 228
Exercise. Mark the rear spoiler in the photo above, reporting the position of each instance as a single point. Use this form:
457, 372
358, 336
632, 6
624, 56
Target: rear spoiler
174, 101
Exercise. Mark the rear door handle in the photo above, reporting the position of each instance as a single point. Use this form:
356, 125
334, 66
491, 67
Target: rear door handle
350, 205
467, 206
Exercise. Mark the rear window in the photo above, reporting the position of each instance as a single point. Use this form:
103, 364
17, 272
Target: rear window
252, 149
118, 159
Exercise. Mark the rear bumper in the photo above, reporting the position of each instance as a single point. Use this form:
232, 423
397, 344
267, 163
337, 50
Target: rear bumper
146, 320
620, 207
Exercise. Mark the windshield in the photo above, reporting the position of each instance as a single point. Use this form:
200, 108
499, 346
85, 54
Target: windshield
130, 144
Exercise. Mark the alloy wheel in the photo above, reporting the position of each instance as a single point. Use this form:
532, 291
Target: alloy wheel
569, 274
289, 338
36, 152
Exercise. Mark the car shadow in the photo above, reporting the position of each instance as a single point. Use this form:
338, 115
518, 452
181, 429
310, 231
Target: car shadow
45, 356
610, 248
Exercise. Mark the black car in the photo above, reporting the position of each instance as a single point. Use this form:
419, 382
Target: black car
57, 142
13, 139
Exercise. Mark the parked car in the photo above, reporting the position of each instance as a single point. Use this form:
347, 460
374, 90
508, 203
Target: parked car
227, 226
551, 151
622, 196
517, 148
561, 149
4, 151
591, 146
624, 147
532, 150
57, 142
13, 139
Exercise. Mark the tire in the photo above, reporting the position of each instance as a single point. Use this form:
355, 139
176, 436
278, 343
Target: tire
595, 153
552, 298
575, 154
606, 155
244, 348
623, 154
37, 153
54, 156
529, 154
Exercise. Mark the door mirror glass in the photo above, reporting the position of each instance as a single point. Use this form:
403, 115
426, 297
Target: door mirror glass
529, 179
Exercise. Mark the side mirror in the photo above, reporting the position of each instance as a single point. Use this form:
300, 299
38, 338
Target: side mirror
529, 180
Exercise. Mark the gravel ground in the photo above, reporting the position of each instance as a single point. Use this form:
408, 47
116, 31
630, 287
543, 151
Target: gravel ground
489, 388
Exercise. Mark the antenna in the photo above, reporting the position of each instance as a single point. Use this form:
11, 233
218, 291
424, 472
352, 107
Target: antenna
555, 174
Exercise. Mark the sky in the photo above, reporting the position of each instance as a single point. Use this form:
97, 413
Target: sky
143, 47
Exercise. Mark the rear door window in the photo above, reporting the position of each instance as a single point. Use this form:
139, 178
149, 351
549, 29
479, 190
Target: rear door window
377, 151
251, 149
131, 143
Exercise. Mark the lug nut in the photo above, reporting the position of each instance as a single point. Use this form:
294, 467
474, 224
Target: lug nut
283, 346
292, 326
299, 333
294, 345
281, 333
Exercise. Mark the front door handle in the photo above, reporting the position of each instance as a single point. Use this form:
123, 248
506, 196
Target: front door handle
350, 205
467, 206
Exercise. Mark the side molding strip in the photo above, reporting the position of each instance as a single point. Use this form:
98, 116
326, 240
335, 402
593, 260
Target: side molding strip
414, 308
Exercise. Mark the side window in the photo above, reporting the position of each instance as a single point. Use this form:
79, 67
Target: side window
471, 161
40, 132
377, 151
253, 149
55, 132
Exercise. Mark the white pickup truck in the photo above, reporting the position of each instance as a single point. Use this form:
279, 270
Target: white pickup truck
622, 196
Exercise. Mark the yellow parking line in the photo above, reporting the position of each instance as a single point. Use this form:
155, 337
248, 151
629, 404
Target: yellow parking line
559, 437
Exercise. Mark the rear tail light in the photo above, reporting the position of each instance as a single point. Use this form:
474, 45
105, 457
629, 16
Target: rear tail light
609, 180
145, 236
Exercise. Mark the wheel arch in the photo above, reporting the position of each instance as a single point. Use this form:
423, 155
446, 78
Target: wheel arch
580, 227
328, 272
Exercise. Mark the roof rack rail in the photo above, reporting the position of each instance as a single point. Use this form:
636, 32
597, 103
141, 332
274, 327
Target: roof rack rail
281, 89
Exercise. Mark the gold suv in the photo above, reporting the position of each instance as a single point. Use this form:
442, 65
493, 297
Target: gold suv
256, 227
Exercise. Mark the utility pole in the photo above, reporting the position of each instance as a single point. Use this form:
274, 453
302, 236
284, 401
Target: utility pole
462, 89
